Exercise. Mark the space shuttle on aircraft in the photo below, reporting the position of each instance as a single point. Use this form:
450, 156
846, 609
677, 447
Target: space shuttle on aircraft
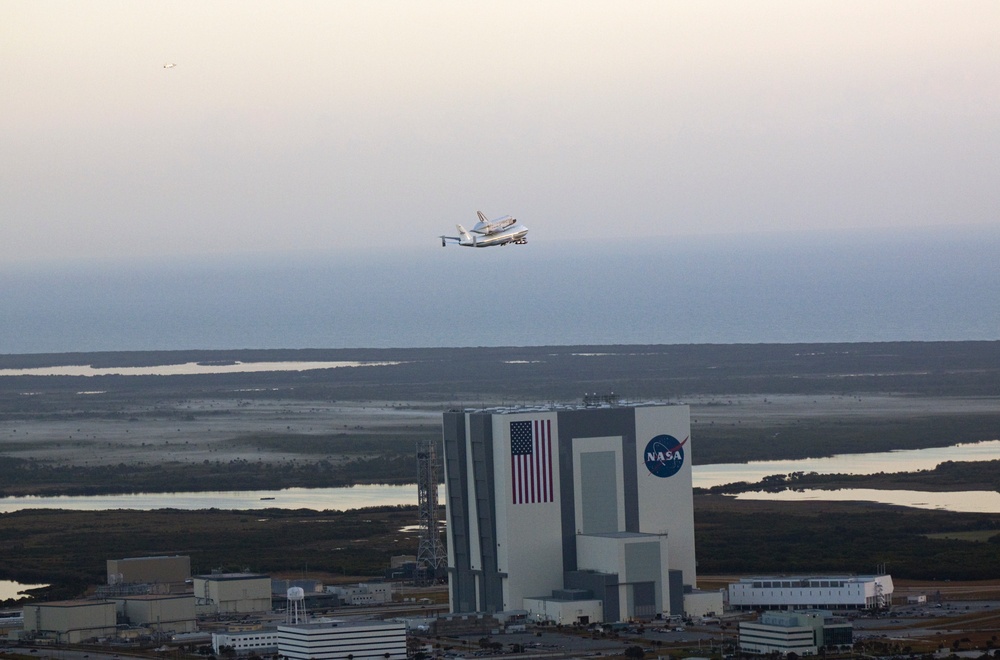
487, 233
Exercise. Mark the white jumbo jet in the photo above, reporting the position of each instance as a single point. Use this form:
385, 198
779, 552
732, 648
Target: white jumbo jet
487, 233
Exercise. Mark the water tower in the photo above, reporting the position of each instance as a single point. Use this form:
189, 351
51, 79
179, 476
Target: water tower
296, 611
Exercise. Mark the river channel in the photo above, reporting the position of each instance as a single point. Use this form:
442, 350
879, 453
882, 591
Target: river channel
704, 476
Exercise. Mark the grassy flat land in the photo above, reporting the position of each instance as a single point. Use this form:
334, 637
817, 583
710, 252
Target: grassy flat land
69, 548
63, 434
110, 434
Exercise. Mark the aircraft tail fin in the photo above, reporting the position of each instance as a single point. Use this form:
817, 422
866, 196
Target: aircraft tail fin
466, 236
482, 218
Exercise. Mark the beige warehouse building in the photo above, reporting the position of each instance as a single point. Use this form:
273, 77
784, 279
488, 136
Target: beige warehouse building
159, 613
149, 570
233, 593
71, 621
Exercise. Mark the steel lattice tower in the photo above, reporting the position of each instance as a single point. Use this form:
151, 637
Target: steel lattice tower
432, 557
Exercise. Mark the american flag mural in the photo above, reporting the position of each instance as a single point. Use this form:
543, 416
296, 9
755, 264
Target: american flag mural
531, 461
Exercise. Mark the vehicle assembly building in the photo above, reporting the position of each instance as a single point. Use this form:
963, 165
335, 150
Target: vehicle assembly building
582, 510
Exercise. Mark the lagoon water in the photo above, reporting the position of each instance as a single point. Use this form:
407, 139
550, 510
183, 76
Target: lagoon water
901, 460
11, 589
976, 501
184, 369
317, 499
704, 476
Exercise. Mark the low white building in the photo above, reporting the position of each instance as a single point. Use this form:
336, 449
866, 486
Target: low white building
365, 593
248, 642
860, 592
340, 640
565, 607
699, 603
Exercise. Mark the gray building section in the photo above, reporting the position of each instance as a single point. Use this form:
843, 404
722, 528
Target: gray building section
600, 511
676, 580
642, 571
478, 449
584, 423
456, 486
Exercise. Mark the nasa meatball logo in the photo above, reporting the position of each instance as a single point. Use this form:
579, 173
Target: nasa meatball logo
664, 455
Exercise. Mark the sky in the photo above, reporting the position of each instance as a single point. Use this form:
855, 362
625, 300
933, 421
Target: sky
336, 127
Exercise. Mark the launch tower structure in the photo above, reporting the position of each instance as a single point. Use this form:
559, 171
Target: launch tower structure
432, 558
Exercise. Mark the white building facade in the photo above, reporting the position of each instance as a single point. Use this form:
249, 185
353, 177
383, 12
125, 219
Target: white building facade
343, 640
563, 611
248, 642
779, 633
570, 497
863, 592
371, 593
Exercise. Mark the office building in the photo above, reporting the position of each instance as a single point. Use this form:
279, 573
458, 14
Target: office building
802, 633
349, 640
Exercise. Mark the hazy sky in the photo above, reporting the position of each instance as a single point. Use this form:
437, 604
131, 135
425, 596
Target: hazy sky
295, 126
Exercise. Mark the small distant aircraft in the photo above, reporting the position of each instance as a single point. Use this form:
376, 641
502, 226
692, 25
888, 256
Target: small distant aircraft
169, 65
487, 233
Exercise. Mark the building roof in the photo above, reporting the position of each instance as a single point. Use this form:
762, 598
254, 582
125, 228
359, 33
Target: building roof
338, 623
845, 578
557, 407
152, 557
233, 576
625, 535
72, 603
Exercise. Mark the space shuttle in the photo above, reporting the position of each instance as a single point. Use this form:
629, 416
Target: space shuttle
487, 233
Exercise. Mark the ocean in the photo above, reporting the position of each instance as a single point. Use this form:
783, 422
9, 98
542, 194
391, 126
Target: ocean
763, 288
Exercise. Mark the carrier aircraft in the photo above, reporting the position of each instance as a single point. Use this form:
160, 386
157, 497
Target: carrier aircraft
487, 233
